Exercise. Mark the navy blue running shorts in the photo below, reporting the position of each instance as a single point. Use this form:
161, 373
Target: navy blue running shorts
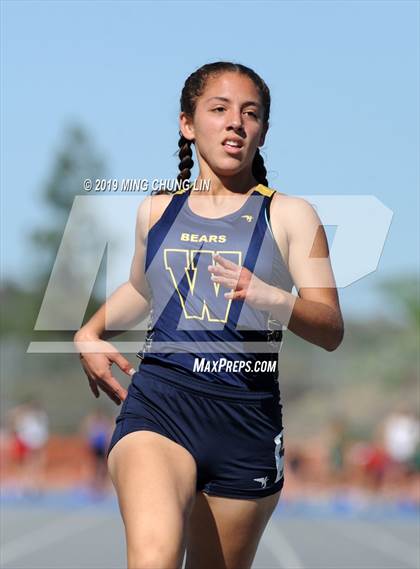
234, 435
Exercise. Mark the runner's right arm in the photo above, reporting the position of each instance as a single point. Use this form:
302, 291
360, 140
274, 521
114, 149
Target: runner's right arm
125, 307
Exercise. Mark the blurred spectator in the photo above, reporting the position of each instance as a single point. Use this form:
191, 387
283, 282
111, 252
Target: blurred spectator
401, 434
414, 462
377, 462
97, 428
296, 461
29, 426
339, 443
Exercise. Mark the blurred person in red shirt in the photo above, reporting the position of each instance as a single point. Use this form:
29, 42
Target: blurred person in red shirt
30, 433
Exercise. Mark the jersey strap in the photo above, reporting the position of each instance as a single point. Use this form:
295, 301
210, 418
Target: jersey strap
160, 230
251, 257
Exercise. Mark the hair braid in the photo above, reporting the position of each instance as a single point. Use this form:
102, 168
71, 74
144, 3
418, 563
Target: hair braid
258, 169
185, 158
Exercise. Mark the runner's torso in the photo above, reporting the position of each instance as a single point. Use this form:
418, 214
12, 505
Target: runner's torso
193, 328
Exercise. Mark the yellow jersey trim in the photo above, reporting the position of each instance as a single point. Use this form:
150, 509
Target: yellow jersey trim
261, 189
265, 190
182, 191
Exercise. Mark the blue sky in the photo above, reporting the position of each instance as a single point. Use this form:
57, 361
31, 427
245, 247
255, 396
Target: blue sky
344, 82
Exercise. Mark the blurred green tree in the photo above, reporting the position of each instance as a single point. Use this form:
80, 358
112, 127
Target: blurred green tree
75, 160
47, 374
404, 292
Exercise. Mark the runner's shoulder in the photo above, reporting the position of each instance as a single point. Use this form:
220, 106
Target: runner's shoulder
153, 206
292, 211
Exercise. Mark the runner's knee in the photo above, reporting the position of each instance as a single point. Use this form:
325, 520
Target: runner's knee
153, 556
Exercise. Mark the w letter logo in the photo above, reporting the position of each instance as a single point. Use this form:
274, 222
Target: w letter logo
200, 297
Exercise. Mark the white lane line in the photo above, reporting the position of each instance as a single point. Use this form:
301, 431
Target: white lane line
383, 541
47, 535
274, 540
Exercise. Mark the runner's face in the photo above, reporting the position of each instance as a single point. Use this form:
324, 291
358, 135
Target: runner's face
228, 124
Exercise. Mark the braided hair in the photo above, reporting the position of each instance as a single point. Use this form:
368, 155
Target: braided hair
185, 158
193, 88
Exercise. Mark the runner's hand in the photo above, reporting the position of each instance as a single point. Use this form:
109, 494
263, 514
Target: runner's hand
97, 363
243, 283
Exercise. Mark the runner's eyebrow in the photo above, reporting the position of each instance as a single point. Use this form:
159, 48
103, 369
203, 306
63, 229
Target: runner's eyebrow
225, 100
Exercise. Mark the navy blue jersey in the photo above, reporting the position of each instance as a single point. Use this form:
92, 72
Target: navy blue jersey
193, 328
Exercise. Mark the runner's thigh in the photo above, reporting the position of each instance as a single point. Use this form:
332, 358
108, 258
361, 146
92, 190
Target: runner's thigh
223, 533
155, 480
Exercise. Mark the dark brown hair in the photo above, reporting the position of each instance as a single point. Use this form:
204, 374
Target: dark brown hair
193, 88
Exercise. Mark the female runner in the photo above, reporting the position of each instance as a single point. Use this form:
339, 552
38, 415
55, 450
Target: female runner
197, 454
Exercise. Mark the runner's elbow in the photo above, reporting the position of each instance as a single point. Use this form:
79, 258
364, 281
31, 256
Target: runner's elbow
335, 338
